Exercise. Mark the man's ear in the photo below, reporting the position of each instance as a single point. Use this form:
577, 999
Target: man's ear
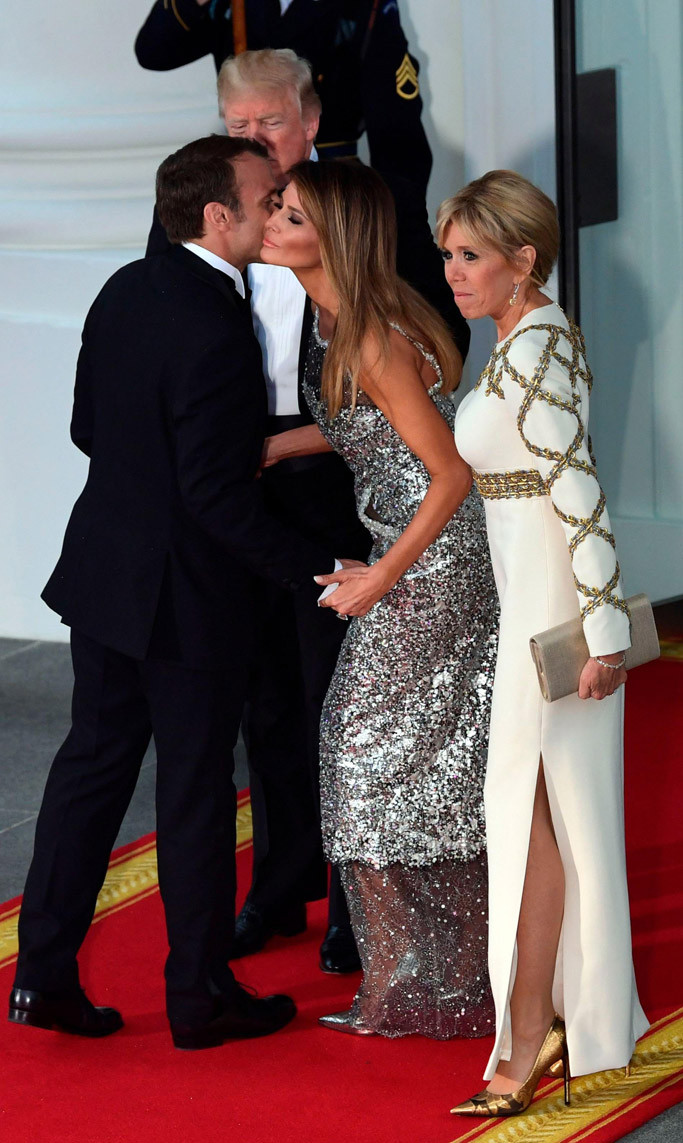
311, 128
218, 216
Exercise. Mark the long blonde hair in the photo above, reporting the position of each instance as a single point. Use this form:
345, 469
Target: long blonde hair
353, 211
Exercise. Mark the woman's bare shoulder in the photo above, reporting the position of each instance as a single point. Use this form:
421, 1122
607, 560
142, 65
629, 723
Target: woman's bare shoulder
396, 355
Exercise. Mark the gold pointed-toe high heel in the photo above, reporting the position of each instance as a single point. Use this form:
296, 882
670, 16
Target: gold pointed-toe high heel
346, 1022
553, 1049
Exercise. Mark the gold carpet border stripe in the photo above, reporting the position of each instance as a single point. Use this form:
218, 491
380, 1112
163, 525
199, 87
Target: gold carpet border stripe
130, 877
140, 847
671, 648
599, 1099
624, 1110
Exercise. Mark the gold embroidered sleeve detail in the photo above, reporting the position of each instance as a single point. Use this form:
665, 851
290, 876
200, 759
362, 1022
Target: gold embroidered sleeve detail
597, 596
536, 389
586, 525
491, 376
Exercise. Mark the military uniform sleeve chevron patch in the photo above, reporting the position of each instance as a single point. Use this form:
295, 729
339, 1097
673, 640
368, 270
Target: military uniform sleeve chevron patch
407, 83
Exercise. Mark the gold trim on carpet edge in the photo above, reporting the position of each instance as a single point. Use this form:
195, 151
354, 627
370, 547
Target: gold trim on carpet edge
671, 648
129, 878
599, 1099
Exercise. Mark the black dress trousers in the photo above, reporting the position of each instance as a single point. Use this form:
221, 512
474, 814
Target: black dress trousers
118, 703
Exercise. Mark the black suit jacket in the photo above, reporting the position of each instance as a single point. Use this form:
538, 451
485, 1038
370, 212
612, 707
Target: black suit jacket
170, 407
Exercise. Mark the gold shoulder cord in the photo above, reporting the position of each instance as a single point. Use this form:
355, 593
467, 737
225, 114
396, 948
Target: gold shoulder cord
174, 9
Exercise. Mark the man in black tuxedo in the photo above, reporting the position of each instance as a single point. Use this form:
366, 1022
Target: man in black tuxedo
270, 96
156, 581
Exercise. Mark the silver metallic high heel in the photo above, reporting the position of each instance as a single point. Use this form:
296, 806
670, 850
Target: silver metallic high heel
346, 1022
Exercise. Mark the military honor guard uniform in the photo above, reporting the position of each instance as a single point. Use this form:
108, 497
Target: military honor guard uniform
362, 69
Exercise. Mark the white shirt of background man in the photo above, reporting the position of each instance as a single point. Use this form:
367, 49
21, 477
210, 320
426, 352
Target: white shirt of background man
277, 309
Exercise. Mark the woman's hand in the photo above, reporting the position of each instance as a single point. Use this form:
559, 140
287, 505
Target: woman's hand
360, 588
597, 681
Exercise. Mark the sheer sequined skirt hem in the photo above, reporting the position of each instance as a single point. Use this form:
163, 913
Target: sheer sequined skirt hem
422, 937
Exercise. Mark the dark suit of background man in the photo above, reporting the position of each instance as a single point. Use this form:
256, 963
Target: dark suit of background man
155, 580
362, 68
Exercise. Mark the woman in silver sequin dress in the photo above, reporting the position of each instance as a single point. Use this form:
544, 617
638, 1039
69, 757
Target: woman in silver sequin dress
405, 723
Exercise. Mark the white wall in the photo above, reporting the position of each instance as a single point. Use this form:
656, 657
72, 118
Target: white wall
434, 32
631, 269
509, 107
83, 131
85, 128
632, 289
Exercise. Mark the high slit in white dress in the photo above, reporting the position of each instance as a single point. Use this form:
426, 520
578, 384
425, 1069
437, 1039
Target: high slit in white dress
524, 432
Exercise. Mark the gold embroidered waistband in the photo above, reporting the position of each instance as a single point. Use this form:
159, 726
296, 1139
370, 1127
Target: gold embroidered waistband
509, 485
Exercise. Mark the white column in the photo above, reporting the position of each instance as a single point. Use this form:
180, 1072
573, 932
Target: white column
433, 29
509, 106
83, 130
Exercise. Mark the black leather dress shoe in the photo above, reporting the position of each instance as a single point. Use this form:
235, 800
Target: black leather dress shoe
253, 929
62, 1011
338, 952
243, 1017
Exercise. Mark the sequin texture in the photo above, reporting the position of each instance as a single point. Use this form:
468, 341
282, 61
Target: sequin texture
403, 742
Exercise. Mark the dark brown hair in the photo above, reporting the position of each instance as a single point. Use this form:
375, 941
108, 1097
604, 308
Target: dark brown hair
353, 211
198, 173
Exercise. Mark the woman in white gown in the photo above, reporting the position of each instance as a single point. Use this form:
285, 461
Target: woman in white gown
559, 931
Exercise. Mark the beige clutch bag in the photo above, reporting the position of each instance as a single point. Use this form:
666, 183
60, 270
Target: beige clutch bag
561, 653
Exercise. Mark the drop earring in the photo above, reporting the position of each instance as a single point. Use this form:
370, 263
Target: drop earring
515, 291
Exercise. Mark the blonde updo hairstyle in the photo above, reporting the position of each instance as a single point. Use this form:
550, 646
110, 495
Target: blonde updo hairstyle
503, 211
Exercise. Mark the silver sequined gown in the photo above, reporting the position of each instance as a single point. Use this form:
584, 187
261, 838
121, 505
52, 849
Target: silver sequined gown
403, 743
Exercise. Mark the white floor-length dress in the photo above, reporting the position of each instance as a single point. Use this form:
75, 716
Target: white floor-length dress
524, 432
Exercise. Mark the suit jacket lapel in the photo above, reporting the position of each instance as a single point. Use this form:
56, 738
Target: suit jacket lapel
216, 278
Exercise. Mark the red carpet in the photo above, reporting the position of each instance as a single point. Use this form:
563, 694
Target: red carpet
307, 1083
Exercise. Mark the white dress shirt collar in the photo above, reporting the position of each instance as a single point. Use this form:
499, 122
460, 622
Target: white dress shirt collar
218, 263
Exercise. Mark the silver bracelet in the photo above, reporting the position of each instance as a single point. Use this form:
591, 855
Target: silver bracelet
612, 666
